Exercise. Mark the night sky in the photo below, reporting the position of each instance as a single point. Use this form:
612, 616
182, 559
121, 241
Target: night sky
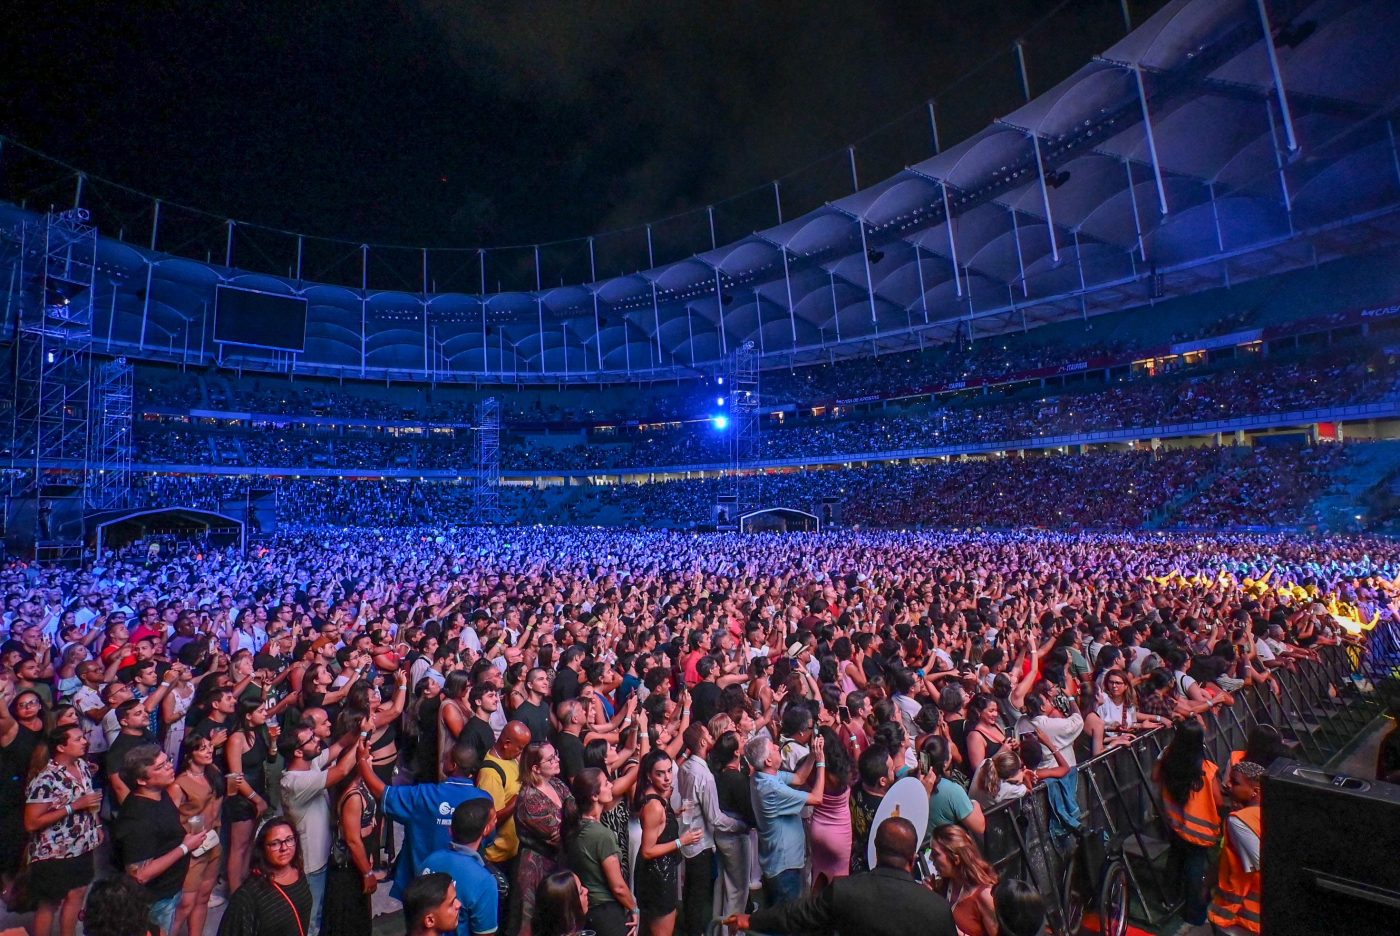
455, 124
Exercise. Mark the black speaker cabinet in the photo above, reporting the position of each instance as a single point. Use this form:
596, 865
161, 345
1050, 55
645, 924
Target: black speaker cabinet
1331, 853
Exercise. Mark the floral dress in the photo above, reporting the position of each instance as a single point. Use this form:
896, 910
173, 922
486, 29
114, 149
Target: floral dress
540, 826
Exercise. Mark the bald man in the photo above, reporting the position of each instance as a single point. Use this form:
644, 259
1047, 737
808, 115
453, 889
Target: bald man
886, 901
500, 777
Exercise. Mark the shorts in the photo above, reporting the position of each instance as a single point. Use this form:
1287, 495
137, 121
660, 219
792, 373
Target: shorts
51, 881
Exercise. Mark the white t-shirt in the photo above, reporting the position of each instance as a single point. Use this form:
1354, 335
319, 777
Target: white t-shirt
305, 799
1061, 732
88, 698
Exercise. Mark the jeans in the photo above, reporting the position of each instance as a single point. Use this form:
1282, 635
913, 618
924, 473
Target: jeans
783, 887
607, 919
163, 911
1191, 864
698, 894
317, 880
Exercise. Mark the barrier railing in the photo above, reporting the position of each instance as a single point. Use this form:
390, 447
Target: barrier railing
1319, 706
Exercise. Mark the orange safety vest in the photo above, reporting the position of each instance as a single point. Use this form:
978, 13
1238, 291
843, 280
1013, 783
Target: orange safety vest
1237, 894
1198, 822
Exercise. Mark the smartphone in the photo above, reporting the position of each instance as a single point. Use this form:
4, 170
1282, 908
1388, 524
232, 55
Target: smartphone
843, 713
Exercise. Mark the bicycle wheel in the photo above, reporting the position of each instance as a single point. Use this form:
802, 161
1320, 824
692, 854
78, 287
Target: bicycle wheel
1114, 899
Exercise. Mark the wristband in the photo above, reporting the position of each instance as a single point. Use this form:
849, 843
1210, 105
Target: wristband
821, 764
165, 685
68, 810
184, 849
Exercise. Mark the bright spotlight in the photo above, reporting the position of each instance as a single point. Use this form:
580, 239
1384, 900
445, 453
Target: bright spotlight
720, 422
720, 381
719, 401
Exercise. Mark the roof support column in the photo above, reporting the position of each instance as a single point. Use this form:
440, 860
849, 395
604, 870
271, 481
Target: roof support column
758, 313
1045, 197
835, 309
300, 250
228, 244
425, 272
1020, 257
855, 179
597, 319
1278, 76
1020, 47
778, 200
952, 241
481, 260
485, 335
1281, 164
564, 327
1137, 218
656, 313
1215, 216
78, 191
690, 327
787, 282
145, 306
933, 124
155, 224
923, 290
869, 281
710, 210
1151, 138
719, 315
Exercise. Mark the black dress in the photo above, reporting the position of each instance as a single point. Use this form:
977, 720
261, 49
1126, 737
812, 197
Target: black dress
239, 808
14, 775
347, 906
658, 879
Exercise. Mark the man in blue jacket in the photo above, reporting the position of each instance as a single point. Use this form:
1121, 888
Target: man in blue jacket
476, 887
426, 810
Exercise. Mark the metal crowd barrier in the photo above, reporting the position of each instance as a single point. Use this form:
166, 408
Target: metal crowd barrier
1320, 707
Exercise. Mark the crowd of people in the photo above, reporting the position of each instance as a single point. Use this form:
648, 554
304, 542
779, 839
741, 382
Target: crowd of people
1340, 375
544, 730
1210, 488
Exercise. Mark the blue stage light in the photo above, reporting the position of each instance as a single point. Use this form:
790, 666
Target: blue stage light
720, 422
719, 401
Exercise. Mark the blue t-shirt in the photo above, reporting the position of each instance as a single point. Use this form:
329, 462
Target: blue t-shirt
426, 810
476, 887
949, 805
782, 839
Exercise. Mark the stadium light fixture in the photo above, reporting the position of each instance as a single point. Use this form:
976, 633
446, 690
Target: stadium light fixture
720, 423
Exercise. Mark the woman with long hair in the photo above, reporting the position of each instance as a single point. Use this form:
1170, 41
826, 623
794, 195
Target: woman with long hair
275, 900
597, 859
985, 736
970, 880
830, 829
350, 878
1191, 805
623, 769
420, 725
561, 905
542, 808
733, 789
453, 713
1001, 777
23, 724
250, 747
198, 792
659, 858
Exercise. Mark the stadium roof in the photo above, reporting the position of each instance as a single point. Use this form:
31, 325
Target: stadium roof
1170, 151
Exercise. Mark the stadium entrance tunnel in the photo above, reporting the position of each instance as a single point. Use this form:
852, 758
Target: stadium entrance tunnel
779, 520
163, 527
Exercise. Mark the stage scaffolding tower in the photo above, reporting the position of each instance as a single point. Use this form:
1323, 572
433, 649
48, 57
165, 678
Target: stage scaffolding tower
109, 458
741, 393
51, 297
486, 479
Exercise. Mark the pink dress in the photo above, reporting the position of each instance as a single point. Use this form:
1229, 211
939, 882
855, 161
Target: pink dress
831, 836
